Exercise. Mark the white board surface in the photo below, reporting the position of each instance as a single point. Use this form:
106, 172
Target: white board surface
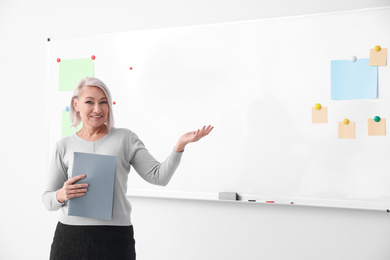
256, 82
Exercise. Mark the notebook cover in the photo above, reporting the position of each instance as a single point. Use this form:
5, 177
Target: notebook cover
100, 175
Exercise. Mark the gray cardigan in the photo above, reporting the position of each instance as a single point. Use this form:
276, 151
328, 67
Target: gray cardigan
129, 150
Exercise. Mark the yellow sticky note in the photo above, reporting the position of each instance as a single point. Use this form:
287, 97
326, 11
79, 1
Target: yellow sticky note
319, 116
376, 128
378, 58
347, 131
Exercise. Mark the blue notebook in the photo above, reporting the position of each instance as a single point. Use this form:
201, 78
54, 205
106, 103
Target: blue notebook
100, 175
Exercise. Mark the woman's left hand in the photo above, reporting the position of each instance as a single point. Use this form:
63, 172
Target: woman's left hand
191, 137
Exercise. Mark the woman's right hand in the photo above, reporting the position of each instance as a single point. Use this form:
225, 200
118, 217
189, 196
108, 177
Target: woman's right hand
71, 190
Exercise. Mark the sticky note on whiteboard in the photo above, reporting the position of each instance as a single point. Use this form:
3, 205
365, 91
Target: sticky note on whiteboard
353, 80
320, 115
66, 129
72, 71
376, 128
378, 58
347, 131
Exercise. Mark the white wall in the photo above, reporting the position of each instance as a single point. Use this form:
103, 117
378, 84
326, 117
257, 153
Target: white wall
165, 229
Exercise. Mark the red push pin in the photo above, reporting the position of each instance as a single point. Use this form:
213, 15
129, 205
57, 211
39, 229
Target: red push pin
114, 103
131, 68
93, 57
58, 59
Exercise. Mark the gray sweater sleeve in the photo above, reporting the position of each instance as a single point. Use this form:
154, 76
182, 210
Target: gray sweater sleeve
57, 177
148, 167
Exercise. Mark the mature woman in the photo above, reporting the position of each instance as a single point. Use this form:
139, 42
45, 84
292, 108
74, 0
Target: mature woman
88, 238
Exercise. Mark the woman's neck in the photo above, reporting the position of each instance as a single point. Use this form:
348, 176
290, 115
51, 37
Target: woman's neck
92, 134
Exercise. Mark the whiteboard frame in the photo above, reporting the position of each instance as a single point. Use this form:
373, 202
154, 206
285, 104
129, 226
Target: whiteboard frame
352, 204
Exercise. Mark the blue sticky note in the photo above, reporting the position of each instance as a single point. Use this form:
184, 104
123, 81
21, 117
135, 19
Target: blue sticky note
353, 80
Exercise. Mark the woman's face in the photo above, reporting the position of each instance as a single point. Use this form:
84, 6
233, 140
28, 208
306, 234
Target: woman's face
92, 106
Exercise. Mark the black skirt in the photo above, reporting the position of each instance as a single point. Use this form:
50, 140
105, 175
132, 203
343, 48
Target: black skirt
93, 242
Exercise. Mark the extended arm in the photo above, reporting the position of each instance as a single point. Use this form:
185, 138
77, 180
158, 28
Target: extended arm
160, 173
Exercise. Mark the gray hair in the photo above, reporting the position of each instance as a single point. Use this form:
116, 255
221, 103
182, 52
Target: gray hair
75, 118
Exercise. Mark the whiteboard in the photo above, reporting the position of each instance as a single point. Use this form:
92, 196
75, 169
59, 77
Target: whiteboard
256, 82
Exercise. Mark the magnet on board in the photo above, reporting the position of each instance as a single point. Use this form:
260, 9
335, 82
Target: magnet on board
346, 121
353, 58
67, 109
58, 59
93, 57
317, 106
377, 119
377, 48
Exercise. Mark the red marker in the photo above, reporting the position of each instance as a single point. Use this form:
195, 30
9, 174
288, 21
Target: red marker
93, 57
58, 59
270, 201
284, 203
